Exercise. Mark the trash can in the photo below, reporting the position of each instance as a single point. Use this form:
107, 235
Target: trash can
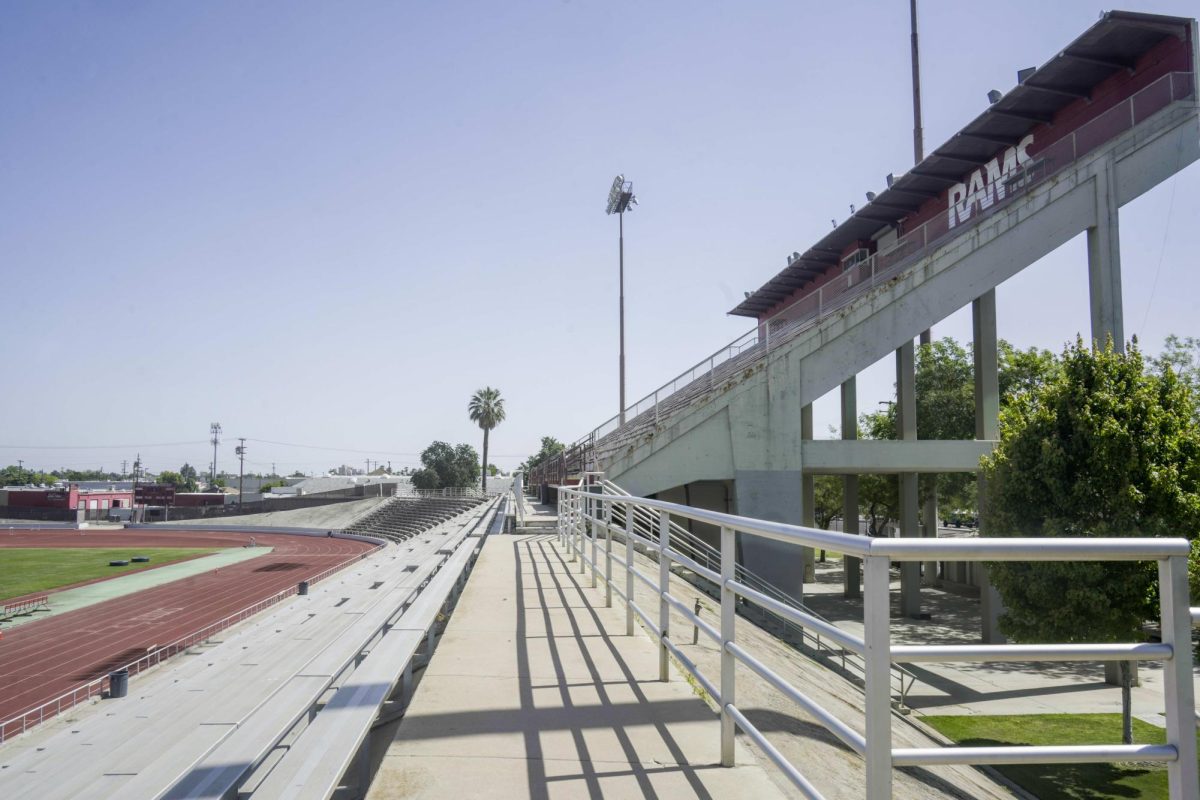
118, 683
303, 590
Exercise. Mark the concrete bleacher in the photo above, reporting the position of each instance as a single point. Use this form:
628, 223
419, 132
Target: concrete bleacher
226, 716
404, 517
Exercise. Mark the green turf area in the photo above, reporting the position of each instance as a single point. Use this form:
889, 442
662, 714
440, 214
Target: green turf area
27, 570
1064, 781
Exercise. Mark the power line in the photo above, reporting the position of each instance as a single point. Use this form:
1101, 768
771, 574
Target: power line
362, 452
93, 446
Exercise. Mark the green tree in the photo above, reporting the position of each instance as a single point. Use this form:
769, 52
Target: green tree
550, 447
12, 475
444, 466
486, 409
1103, 449
827, 505
180, 480
879, 499
945, 394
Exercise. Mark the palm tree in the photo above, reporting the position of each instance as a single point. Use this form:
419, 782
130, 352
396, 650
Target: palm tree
486, 410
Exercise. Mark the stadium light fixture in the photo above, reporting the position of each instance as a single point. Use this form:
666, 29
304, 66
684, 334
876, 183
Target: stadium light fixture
994, 96
620, 200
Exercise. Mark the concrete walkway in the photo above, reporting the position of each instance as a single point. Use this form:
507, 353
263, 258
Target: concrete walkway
92, 593
536, 691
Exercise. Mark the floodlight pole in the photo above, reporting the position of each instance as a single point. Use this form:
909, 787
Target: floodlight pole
620, 199
621, 291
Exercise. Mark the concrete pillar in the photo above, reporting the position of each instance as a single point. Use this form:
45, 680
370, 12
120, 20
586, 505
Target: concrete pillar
987, 426
1104, 263
906, 419
771, 495
851, 567
808, 492
929, 512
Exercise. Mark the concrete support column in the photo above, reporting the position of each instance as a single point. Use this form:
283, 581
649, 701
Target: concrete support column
987, 426
906, 419
851, 567
1104, 263
808, 493
771, 495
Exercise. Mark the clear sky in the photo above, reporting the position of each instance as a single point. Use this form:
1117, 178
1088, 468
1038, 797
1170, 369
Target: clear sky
326, 224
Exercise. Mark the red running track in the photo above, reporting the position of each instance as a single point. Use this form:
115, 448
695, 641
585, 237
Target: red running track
41, 660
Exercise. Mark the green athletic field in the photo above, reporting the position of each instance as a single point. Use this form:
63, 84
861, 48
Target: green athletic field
31, 570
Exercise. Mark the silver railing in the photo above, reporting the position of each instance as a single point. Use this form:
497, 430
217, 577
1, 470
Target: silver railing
847, 286
586, 520
447, 491
685, 542
519, 508
96, 687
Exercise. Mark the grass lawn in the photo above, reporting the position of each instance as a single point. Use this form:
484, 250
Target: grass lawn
25, 570
1064, 781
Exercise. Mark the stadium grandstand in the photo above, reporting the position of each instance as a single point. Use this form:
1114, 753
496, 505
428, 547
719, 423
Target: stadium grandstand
402, 518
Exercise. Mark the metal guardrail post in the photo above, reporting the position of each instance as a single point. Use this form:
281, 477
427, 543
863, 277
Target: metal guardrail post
728, 630
608, 555
877, 663
570, 526
629, 581
595, 516
584, 505
1178, 693
664, 586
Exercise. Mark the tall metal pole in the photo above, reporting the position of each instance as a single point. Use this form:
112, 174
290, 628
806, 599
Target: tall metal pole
918, 131
621, 226
215, 429
918, 136
137, 468
931, 501
241, 453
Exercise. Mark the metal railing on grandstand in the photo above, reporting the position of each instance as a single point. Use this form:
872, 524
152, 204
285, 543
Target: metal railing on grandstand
97, 687
586, 519
701, 552
447, 491
713, 372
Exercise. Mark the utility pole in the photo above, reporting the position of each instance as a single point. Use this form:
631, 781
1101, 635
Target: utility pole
241, 454
123, 463
272, 469
215, 430
137, 468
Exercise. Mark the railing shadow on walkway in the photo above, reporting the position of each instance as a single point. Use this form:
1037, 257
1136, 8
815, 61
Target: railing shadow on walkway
535, 548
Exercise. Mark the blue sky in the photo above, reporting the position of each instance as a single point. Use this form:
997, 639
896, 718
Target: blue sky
327, 224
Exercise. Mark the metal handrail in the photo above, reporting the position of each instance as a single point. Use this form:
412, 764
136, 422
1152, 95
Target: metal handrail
96, 687
855, 282
445, 491
710, 557
587, 517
